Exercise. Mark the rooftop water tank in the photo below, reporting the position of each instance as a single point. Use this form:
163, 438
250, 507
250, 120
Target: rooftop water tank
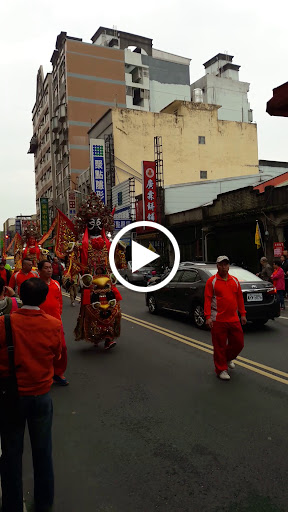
197, 95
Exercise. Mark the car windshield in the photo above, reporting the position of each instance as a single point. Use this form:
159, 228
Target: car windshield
241, 274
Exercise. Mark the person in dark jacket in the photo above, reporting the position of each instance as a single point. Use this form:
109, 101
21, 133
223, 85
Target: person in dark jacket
266, 271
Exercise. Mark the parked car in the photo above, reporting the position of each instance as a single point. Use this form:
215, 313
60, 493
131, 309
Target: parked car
140, 276
185, 294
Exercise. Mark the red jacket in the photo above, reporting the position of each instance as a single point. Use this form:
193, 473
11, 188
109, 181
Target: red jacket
278, 278
37, 341
223, 299
19, 277
54, 302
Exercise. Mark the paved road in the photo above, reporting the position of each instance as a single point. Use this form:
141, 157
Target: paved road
148, 427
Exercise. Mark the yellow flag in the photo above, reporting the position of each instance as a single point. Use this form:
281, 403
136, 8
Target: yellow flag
151, 248
257, 236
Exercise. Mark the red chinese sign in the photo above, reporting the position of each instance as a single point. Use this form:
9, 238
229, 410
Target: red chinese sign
149, 191
278, 249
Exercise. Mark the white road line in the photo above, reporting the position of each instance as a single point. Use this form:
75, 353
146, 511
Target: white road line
285, 317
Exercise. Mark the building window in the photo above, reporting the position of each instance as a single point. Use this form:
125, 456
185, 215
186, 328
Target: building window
120, 198
203, 175
201, 139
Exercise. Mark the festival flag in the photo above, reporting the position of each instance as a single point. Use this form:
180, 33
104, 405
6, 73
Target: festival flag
257, 236
151, 248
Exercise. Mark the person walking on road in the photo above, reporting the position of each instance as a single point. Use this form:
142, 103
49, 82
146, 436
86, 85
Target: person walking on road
284, 265
223, 301
53, 306
266, 271
57, 270
37, 342
22, 275
278, 278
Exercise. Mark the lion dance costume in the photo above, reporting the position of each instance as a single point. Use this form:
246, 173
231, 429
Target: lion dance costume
87, 246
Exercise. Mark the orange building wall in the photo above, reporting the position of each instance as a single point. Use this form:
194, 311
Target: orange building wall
105, 64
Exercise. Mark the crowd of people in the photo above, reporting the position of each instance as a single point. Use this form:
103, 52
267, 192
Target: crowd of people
39, 357
277, 273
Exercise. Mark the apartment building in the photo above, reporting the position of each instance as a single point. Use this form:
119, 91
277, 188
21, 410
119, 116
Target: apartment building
88, 79
41, 143
221, 86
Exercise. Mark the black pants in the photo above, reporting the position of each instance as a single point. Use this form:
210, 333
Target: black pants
38, 412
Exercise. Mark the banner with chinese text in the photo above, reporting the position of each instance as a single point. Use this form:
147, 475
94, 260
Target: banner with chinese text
44, 217
149, 194
98, 169
278, 248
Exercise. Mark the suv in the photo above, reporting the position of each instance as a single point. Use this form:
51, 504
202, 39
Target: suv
185, 294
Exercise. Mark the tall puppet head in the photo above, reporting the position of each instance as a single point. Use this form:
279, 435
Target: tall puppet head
94, 215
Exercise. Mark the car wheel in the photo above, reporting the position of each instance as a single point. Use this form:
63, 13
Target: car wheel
152, 305
259, 323
198, 317
126, 279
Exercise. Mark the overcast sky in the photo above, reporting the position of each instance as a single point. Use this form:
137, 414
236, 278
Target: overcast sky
254, 33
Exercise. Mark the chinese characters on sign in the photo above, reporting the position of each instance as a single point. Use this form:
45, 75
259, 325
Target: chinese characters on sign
97, 161
44, 217
122, 218
72, 204
149, 191
278, 249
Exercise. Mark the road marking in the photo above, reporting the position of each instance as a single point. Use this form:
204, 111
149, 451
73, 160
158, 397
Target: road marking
204, 347
285, 317
241, 361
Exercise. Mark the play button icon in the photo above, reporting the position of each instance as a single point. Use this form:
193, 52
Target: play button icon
141, 256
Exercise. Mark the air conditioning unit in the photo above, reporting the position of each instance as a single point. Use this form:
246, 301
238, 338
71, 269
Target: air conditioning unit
142, 94
137, 75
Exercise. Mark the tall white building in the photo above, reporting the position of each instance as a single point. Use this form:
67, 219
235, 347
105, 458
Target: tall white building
221, 86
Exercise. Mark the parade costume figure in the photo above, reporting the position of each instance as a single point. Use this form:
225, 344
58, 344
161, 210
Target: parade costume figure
87, 245
28, 246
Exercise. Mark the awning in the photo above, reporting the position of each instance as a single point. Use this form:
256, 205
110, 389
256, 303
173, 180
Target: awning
278, 105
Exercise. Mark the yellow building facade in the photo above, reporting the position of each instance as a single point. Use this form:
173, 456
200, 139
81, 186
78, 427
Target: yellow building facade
196, 145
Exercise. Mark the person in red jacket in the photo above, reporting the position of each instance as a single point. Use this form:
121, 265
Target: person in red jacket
53, 306
278, 278
19, 277
223, 301
37, 342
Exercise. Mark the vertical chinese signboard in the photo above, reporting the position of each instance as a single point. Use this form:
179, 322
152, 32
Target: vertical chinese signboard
278, 249
149, 191
44, 217
72, 204
98, 170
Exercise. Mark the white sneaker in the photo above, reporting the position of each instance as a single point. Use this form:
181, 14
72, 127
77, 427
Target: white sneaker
231, 365
224, 375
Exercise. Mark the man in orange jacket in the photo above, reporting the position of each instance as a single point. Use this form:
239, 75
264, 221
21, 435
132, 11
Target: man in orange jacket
223, 301
37, 342
53, 306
